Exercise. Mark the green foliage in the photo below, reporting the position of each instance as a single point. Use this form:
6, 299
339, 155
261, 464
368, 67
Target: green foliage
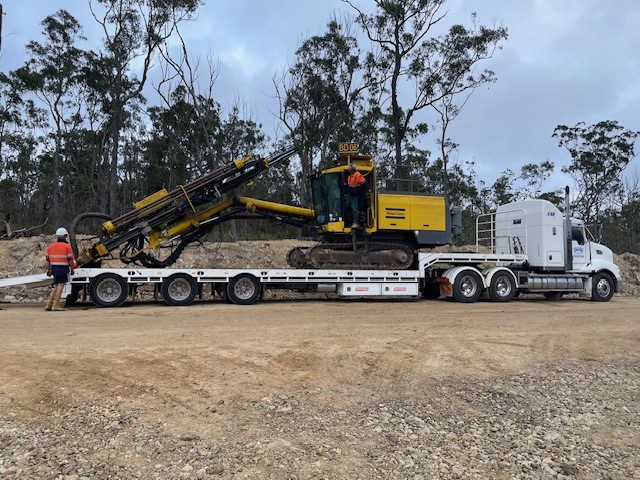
599, 154
319, 96
411, 68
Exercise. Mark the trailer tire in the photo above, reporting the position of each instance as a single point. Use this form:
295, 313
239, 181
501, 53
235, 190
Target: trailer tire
108, 290
467, 287
244, 289
602, 287
502, 287
179, 289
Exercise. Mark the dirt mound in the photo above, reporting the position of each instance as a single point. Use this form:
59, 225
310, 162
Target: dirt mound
629, 264
25, 256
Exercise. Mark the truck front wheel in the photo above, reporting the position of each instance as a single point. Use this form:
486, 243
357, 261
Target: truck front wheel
602, 287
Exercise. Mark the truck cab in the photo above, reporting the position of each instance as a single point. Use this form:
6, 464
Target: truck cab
561, 252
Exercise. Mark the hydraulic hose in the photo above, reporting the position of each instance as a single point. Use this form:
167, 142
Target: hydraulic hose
77, 220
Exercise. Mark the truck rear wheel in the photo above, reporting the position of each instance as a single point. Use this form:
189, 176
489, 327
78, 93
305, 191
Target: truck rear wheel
467, 287
602, 287
244, 289
502, 287
179, 289
108, 290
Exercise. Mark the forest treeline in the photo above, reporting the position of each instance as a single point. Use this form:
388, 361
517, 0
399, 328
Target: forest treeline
79, 133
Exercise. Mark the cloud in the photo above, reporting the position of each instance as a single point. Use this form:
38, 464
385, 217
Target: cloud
247, 63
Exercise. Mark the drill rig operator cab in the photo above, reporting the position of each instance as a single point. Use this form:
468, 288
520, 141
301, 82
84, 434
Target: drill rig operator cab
330, 192
412, 219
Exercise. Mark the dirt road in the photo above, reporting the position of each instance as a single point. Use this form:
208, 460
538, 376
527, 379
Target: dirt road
310, 389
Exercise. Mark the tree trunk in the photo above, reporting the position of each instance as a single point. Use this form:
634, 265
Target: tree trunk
113, 160
55, 198
396, 115
443, 150
306, 167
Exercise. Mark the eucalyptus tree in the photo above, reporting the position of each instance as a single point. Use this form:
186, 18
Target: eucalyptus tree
52, 72
319, 93
599, 155
132, 32
421, 68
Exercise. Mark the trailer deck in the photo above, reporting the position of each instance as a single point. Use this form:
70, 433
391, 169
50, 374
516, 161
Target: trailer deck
110, 287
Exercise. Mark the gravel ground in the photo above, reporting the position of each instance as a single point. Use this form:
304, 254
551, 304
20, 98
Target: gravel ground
565, 422
360, 391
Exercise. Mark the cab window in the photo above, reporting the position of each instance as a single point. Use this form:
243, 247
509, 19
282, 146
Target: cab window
318, 200
577, 235
334, 192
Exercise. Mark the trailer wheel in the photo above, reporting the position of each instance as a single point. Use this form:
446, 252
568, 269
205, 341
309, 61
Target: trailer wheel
602, 289
179, 289
108, 290
244, 289
502, 287
467, 287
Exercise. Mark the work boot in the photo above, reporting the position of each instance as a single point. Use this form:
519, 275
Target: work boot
49, 305
58, 305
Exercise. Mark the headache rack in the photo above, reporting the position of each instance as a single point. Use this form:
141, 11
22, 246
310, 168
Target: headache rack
503, 232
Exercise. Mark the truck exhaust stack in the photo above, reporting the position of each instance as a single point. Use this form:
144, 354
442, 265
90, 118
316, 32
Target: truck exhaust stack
568, 258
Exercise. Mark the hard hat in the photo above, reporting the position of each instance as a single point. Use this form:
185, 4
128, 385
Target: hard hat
61, 232
352, 167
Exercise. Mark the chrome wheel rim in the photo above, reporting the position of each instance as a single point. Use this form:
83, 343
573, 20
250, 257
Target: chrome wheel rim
503, 286
244, 289
603, 287
109, 290
468, 286
179, 289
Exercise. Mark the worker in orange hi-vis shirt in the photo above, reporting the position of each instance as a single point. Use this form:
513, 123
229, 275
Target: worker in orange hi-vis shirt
355, 182
60, 263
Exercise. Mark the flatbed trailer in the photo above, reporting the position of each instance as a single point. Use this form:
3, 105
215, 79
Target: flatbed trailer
464, 277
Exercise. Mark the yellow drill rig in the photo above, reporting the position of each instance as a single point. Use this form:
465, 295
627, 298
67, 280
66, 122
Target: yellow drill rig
394, 225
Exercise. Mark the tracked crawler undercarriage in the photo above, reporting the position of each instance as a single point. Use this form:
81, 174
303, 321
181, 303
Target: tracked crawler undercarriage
366, 255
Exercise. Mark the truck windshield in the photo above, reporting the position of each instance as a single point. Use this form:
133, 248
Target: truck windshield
577, 234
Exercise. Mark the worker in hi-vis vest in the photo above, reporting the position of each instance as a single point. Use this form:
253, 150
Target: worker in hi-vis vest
355, 182
60, 263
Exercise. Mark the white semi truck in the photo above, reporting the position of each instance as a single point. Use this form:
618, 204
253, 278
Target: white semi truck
526, 247
557, 256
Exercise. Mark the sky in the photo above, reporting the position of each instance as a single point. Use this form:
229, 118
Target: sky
565, 61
